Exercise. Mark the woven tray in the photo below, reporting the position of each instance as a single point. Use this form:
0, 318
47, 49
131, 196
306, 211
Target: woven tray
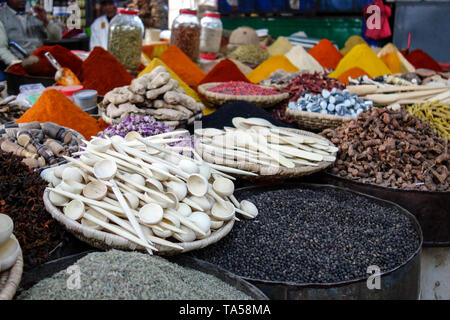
221, 98
265, 172
175, 123
315, 120
10, 279
105, 241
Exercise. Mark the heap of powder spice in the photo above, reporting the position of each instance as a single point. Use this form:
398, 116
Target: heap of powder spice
224, 71
101, 71
351, 43
274, 63
303, 60
280, 46
363, 57
64, 57
421, 59
326, 54
250, 54
240, 88
120, 275
21, 192
182, 65
352, 73
55, 107
43, 68
395, 60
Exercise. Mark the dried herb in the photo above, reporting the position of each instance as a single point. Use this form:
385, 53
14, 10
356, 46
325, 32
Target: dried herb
125, 43
187, 38
21, 192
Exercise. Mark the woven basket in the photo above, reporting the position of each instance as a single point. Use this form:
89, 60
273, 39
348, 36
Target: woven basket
105, 241
265, 172
10, 279
222, 98
174, 124
315, 120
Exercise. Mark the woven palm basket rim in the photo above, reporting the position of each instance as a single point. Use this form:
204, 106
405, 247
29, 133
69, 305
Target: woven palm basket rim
10, 279
221, 98
104, 241
170, 123
265, 172
315, 120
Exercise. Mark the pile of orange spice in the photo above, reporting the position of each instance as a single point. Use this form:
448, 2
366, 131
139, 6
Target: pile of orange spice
326, 54
55, 107
183, 66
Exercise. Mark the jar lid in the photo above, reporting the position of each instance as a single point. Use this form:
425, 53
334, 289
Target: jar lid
86, 94
188, 11
212, 14
132, 12
70, 90
208, 56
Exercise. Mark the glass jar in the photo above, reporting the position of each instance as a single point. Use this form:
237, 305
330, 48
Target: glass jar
186, 33
126, 31
211, 34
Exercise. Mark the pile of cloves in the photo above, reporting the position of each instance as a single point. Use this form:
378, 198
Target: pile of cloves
40, 144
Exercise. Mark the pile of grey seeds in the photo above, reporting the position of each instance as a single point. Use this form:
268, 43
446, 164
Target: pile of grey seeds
118, 275
314, 236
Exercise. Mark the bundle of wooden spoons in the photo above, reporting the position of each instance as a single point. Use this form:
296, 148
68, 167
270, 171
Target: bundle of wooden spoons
257, 141
145, 191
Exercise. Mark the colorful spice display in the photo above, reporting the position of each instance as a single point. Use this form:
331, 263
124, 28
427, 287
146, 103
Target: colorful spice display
391, 149
21, 193
43, 67
274, 63
224, 71
326, 54
303, 60
53, 106
321, 235
336, 102
363, 57
394, 59
280, 78
352, 42
250, 54
122, 275
436, 114
280, 46
102, 72
154, 50
240, 88
421, 59
182, 65
352, 73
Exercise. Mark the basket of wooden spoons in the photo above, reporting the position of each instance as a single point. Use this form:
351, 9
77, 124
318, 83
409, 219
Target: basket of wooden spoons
137, 193
255, 145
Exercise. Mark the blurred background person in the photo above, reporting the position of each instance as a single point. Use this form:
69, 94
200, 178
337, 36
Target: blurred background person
28, 30
100, 27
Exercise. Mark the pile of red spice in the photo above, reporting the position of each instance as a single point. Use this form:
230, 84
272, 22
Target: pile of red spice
101, 71
43, 68
55, 107
326, 54
419, 59
241, 88
225, 70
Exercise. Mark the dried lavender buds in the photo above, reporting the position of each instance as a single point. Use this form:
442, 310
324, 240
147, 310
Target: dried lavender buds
391, 149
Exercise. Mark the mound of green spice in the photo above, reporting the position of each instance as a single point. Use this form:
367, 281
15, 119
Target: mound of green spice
118, 275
